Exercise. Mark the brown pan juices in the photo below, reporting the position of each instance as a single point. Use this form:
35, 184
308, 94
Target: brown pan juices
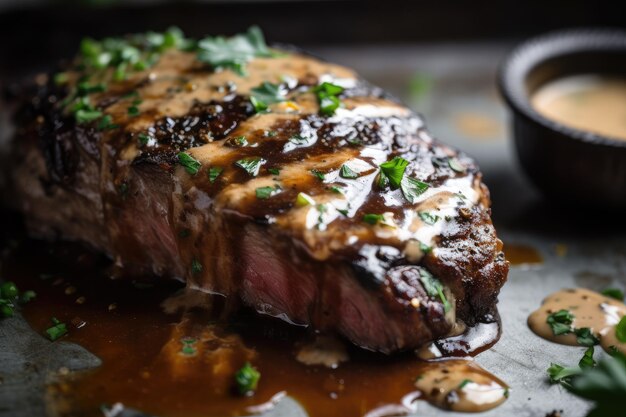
183, 363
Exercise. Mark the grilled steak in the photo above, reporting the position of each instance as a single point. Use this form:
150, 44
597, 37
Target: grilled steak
268, 177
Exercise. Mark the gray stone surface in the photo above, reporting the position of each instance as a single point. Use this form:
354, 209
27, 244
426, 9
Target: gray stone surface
463, 109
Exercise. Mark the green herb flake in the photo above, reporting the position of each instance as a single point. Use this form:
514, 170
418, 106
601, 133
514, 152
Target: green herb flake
464, 383
85, 116
133, 111
327, 95
266, 94
144, 138
560, 322
615, 293
247, 379
233, 53
196, 267
319, 174
373, 219
587, 360
620, 330
336, 190
188, 348
191, 165
434, 288
394, 171
57, 330
61, 78
8, 290
585, 337
250, 165
106, 123
347, 172
6, 310
428, 218
413, 188
274, 171
264, 193
213, 173
329, 104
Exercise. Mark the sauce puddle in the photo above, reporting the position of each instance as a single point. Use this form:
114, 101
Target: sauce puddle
576, 309
182, 364
518, 254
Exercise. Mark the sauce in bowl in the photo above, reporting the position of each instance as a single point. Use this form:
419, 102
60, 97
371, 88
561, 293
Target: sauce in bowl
591, 102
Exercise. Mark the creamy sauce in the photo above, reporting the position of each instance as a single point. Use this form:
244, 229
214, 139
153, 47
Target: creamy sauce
461, 385
594, 103
590, 309
181, 363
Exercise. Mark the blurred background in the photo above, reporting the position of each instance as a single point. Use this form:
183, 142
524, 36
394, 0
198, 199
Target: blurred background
439, 57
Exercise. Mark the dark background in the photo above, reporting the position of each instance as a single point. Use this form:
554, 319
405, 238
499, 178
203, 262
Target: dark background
34, 33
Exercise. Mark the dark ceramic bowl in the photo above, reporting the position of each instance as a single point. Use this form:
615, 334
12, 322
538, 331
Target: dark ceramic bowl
568, 164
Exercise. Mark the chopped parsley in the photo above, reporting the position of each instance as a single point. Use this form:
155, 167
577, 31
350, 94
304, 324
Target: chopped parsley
266, 94
213, 173
585, 337
196, 266
191, 165
434, 288
393, 171
336, 190
106, 123
250, 165
237, 142
587, 360
347, 172
144, 138
299, 139
412, 188
57, 330
373, 218
615, 293
188, 348
428, 218
327, 95
264, 193
61, 78
561, 322
85, 116
319, 174
620, 330
247, 379
235, 52
9, 290
10, 296
464, 383
133, 111
274, 171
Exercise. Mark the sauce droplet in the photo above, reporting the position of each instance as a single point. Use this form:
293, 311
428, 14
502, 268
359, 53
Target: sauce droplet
461, 385
585, 309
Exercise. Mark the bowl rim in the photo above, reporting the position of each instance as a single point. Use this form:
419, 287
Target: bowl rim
514, 69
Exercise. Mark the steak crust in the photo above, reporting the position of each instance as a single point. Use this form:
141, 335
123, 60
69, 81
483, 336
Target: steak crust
306, 250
